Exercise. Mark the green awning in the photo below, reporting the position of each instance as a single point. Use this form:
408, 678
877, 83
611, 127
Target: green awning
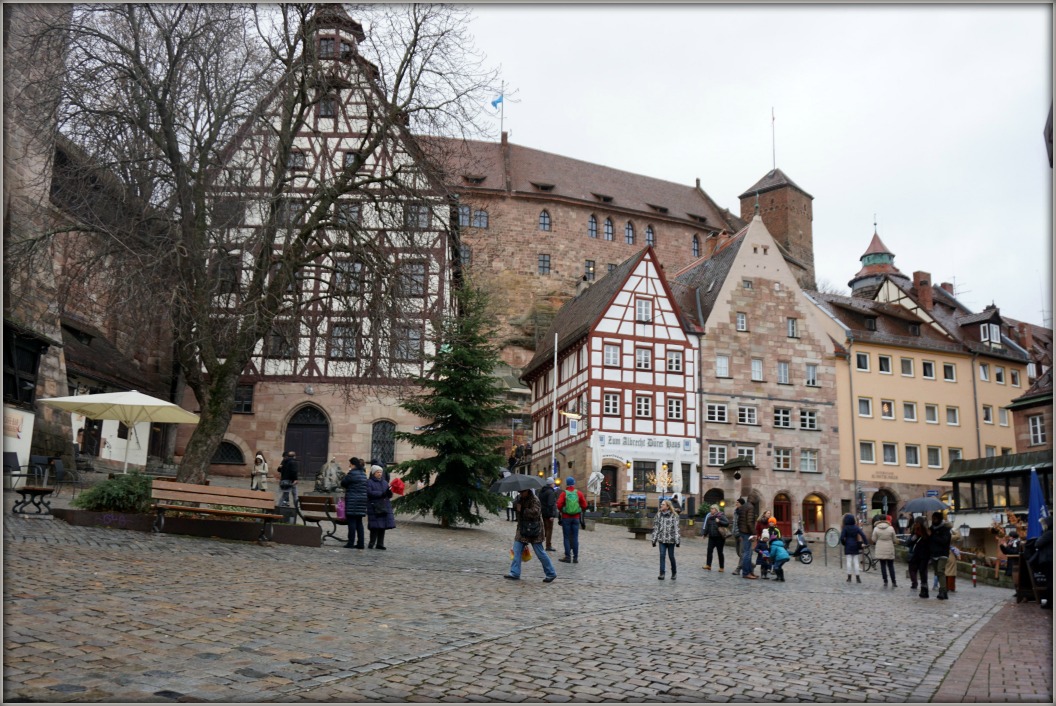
998, 465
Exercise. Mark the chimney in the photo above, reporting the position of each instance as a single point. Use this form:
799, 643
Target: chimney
922, 289
1025, 336
948, 287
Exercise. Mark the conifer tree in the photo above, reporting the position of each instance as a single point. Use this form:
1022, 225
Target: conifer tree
465, 405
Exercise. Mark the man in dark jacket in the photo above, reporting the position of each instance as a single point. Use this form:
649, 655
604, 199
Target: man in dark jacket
355, 484
744, 524
288, 472
939, 544
548, 499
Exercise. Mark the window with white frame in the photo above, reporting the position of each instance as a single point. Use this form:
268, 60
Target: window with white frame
782, 459
612, 355
808, 460
793, 327
883, 364
912, 455
782, 372
861, 361
865, 407
999, 375
716, 454
866, 452
1014, 376
890, 453
953, 416
674, 407
907, 367
674, 361
643, 406
984, 372
887, 409
990, 333
643, 359
717, 413
747, 415
812, 375
722, 366
931, 413
808, 419
927, 369
1002, 416
643, 310
988, 414
1032, 371
612, 404
757, 369
783, 417
747, 452
1036, 424
935, 456
991, 451
909, 411
949, 372
742, 321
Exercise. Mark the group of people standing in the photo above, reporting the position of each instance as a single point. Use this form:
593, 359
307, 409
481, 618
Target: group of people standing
535, 525
368, 497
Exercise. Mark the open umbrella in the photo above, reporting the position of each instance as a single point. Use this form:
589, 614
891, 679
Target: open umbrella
925, 505
1036, 509
517, 482
129, 408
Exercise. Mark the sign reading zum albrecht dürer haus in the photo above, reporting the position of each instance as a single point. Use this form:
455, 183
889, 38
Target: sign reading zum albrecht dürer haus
637, 442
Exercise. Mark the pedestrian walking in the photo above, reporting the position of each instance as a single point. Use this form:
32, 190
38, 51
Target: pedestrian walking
853, 540
258, 479
530, 531
919, 555
288, 473
884, 541
667, 533
716, 529
570, 504
380, 516
355, 484
939, 541
744, 523
548, 501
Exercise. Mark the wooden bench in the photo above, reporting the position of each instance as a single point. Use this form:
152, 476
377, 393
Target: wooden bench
166, 493
640, 532
319, 509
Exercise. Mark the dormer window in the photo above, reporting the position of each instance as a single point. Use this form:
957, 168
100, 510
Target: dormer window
698, 219
473, 179
658, 209
914, 329
990, 333
870, 323
602, 197
543, 187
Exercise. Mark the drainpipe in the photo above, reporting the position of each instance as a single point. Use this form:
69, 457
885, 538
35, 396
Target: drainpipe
854, 428
553, 418
975, 408
700, 401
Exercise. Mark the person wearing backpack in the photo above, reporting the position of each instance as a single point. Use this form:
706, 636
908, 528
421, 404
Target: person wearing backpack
570, 504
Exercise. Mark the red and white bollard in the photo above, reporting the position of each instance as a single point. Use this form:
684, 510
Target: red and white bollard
973, 574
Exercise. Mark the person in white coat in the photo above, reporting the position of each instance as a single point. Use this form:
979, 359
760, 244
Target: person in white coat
258, 479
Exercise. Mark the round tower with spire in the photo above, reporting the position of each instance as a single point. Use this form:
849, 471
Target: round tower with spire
877, 262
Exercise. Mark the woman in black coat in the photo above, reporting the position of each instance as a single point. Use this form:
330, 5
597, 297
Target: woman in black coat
380, 516
355, 484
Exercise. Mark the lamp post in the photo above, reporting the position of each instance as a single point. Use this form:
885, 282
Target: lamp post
965, 530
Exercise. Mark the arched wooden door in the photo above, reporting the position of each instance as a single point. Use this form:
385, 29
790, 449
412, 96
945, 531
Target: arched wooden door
783, 513
308, 434
608, 485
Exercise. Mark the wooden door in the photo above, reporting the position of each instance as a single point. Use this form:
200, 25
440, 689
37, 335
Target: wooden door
608, 486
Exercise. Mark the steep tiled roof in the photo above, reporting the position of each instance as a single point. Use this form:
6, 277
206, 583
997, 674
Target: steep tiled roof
891, 322
575, 318
482, 165
774, 179
91, 354
1040, 391
707, 276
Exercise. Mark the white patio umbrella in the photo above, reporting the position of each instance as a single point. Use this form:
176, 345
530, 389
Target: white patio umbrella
129, 408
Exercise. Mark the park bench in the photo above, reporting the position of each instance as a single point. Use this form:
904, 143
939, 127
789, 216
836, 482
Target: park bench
212, 500
319, 509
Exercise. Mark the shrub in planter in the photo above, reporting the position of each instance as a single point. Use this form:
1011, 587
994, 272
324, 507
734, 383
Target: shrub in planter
124, 493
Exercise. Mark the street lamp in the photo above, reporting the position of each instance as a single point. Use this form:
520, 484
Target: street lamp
903, 523
950, 518
964, 529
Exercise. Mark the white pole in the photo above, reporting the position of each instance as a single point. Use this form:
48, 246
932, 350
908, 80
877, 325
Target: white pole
128, 442
553, 422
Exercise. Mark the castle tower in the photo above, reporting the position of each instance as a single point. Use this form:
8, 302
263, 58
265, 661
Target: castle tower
787, 212
877, 262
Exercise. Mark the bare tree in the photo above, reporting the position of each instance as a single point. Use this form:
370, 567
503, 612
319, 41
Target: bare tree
269, 182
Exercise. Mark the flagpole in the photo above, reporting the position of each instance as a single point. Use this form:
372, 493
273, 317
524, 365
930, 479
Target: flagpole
773, 136
502, 109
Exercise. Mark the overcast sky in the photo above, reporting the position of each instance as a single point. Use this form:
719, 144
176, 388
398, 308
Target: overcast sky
929, 117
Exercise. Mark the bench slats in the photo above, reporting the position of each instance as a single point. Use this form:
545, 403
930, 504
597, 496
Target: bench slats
213, 511
216, 496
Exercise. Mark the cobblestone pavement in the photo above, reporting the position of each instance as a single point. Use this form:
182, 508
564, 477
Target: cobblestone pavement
110, 615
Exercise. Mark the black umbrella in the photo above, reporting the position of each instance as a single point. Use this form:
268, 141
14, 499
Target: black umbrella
925, 505
517, 481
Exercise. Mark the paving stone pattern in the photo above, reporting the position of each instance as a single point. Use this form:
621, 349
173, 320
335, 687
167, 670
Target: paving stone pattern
110, 615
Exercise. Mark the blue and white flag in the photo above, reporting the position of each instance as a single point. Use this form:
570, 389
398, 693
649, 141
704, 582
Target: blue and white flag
495, 103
